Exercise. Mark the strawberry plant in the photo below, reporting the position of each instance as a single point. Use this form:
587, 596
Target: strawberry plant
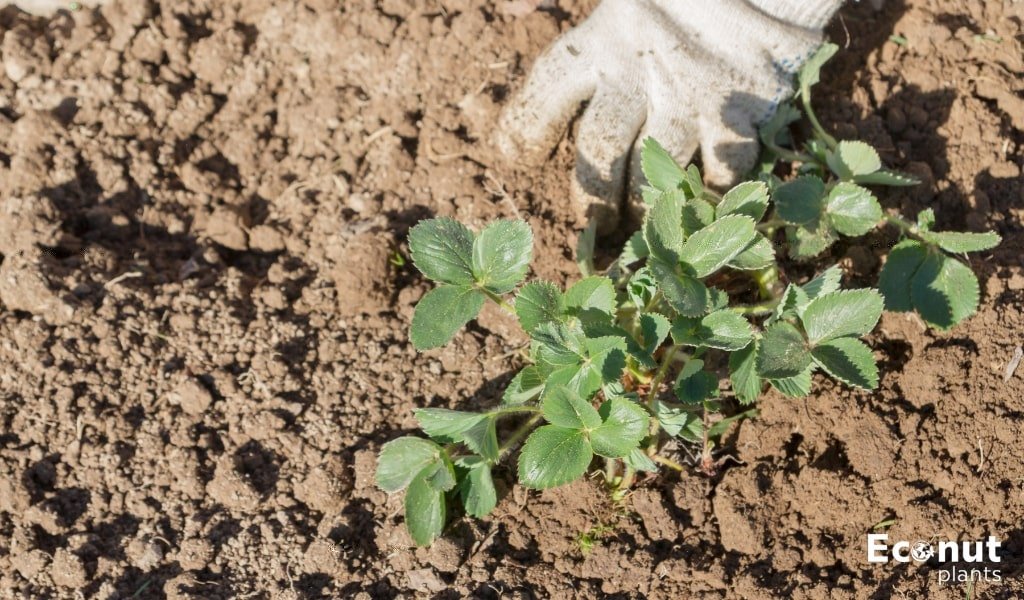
624, 361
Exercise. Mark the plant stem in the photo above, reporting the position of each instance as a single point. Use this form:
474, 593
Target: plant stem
511, 410
499, 301
667, 462
790, 155
818, 129
517, 435
771, 225
628, 476
611, 470
655, 299
904, 225
659, 376
766, 279
761, 308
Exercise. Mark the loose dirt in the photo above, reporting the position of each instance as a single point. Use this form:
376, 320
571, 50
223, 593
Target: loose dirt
204, 311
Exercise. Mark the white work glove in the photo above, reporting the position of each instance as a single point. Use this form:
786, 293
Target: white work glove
687, 72
46, 8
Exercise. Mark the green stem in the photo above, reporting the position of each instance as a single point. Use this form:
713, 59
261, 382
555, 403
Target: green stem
655, 299
611, 470
667, 462
499, 301
511, 410
904, 225
659, 376
818, 129
628, 477
761, 308
766, 279
790, 155
517, 435
771, 225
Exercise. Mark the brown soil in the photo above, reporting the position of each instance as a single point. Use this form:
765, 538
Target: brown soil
203, 338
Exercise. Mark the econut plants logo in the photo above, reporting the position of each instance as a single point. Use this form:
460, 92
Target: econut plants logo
951, 556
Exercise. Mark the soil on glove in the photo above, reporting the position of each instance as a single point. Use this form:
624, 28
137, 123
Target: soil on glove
204, 313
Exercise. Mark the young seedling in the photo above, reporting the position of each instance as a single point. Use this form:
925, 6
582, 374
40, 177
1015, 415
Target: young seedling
605, 352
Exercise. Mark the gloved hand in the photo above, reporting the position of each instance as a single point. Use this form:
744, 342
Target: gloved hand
687, 72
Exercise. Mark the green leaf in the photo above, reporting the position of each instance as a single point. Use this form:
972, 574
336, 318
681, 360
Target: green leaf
782, 352
442, 249
688, 331
606, 357
810, 72
634, 250
552, 456
697, 214
843, 313
564, 407
592, 293
810, 240
442, 312
663, 227
482, 438
585, 249
501, 255
959, 242
926, 219
749, 198
625, 424
477, 491
587, 379
849, 360
424, 511
758, 254
894, 280
679, 420
746, 383
852, 209
558, 344
641, 287
711, 248
585, 363
402, 459
791, 305
649, 194
444, 425
886, 177
796, 297
654, 328
660, 169
825, 283
638, 460
800, 201
439, 475
852, 159
694, 385
694, 183
797, 386
944, 291
687, 295
723, 329
539, 302
525, 386
717, 299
